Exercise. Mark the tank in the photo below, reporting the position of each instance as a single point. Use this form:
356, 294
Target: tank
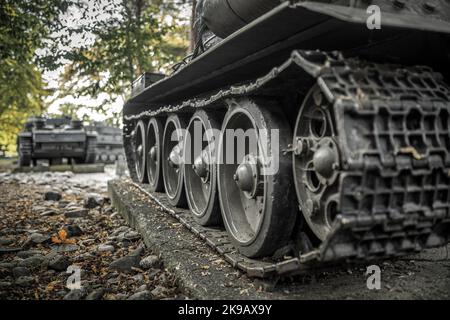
109, 142
312, 130
55, 139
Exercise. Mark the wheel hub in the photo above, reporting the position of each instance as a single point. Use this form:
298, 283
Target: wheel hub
246, 176
175, 156
316, 163
326, 160
153, 153
201, 167
139, 150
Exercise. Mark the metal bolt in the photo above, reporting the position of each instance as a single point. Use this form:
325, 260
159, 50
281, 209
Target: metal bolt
300, 146
153, 153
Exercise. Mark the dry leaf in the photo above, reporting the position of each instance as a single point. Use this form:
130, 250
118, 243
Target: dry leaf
62, 234
61, 237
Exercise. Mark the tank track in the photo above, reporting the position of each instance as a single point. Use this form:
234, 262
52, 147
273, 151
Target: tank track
394, 184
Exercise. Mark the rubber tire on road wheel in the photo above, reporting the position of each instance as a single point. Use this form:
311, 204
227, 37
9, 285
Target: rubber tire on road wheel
279, 210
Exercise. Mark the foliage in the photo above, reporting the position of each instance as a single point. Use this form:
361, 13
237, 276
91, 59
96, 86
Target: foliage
82, 112
141, 35
25, 27
128, 38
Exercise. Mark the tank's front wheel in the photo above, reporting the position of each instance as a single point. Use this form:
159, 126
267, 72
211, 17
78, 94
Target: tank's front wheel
316, 162
255, 178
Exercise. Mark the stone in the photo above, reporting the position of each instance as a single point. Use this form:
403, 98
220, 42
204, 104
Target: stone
52, 195
138, 277
131, 235
7, 265
4, 241
150, 261
138, 251
142, 288
109, 210
49, 213
20, 272
5, 272
159, 292
93, 200
6, 250
28, 253
120, 230
59, 263
141, 295
121, 296
96, 294
5, 284
73, 230
24, 281
67, 247
75, 294
38, 238
39, 209
125, 264
105, 248
32, 262
63, 204
76, 213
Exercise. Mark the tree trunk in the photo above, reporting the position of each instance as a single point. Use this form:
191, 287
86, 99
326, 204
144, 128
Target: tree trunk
192, 31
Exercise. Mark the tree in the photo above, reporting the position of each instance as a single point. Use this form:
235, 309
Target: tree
139, 36
25, 27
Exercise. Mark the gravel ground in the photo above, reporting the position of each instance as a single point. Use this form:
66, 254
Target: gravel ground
56, 226
54, 222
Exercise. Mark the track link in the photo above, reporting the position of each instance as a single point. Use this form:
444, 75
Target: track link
394, 140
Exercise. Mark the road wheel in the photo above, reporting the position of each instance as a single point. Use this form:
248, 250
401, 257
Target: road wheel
255, 183
154, 148
200, 173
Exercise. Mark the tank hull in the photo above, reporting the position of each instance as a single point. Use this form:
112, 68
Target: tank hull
366, 173
109, 147
54, 140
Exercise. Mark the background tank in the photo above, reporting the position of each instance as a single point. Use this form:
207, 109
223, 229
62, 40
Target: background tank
54, 139
357, 118
109, 142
